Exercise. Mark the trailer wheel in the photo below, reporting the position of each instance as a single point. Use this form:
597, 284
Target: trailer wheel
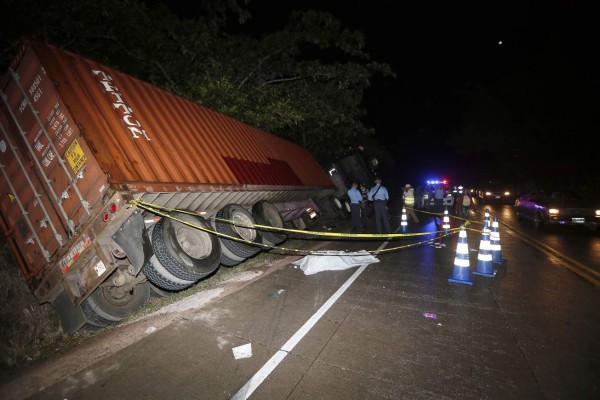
228, 259
266, 213
237, 213
337, 206
347, 207
155, 291
229, 262
107, 305
186, 252
160, 277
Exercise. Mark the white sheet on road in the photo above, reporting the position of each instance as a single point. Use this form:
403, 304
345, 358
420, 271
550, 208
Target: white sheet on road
334, 261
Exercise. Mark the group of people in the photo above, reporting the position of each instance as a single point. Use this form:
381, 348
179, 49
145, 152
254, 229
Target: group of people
379, 195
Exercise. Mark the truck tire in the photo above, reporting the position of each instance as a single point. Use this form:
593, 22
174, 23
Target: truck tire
347, 207
108, 306
229, 262
158, 275
228, 259
237, 213
266, 213
337, 206
186, 252
155, 291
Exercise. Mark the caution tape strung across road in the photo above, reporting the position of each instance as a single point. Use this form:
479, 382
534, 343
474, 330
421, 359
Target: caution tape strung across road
164, 212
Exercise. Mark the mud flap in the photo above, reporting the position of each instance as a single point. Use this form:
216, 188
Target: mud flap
71, 316
133, 239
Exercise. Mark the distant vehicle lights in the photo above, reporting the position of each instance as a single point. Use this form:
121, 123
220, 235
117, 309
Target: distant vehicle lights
437, 182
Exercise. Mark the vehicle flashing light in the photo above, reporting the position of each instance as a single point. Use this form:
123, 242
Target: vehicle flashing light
437, 181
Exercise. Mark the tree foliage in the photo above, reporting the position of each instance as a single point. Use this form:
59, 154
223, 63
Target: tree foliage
304, 82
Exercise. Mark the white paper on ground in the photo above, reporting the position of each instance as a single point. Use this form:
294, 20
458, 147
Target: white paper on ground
334, 261
243, 351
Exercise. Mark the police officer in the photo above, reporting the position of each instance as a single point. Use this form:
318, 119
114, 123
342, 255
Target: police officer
355, 199
379, 196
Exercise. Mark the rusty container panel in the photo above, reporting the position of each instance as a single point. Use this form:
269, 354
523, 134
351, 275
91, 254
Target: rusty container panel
72, 129
142, 134
50, 180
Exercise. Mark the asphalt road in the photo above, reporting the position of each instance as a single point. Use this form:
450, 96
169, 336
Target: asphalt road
577, 247
396, 329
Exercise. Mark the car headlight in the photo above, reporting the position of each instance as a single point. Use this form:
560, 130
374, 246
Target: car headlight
488, 193
597, 213
507, 193
553, 211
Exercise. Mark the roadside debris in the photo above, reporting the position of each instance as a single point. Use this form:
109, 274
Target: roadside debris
243, 351
276, 293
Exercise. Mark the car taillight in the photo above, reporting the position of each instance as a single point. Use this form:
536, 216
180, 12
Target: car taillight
105, 217
113, 208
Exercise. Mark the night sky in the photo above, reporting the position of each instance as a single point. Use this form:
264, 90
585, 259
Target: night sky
441, 50
483, 90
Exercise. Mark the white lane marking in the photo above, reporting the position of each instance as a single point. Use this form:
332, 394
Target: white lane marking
278, 357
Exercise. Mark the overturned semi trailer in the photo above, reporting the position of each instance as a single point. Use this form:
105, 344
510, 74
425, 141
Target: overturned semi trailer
79, 141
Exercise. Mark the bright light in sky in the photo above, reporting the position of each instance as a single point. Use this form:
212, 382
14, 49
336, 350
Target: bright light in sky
500, 43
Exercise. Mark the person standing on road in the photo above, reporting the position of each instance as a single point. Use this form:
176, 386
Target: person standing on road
463, 204
409, 203
379, 196
438, 203
355, 199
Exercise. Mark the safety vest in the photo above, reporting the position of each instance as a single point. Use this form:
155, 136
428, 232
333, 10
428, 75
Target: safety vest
409, 197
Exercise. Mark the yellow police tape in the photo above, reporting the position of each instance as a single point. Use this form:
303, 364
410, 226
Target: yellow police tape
164, 212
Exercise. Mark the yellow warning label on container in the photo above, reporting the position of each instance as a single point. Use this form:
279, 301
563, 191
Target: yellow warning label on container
75, 156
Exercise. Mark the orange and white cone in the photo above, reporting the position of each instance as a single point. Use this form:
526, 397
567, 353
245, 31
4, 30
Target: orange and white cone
461, 272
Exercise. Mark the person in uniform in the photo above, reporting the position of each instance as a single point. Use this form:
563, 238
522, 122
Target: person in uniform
378, 194
355, 199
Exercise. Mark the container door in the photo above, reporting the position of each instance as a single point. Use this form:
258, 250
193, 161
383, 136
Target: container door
49, 179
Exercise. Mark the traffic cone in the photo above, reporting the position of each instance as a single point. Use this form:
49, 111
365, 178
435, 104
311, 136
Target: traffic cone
404, 221
484, 258
486, 217
446, 221
495, 242
461, 272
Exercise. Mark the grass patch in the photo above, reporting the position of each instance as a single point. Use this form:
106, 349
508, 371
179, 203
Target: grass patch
28, 331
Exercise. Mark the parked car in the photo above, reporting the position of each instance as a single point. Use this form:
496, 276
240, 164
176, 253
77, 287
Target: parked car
496, 192
558, 207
